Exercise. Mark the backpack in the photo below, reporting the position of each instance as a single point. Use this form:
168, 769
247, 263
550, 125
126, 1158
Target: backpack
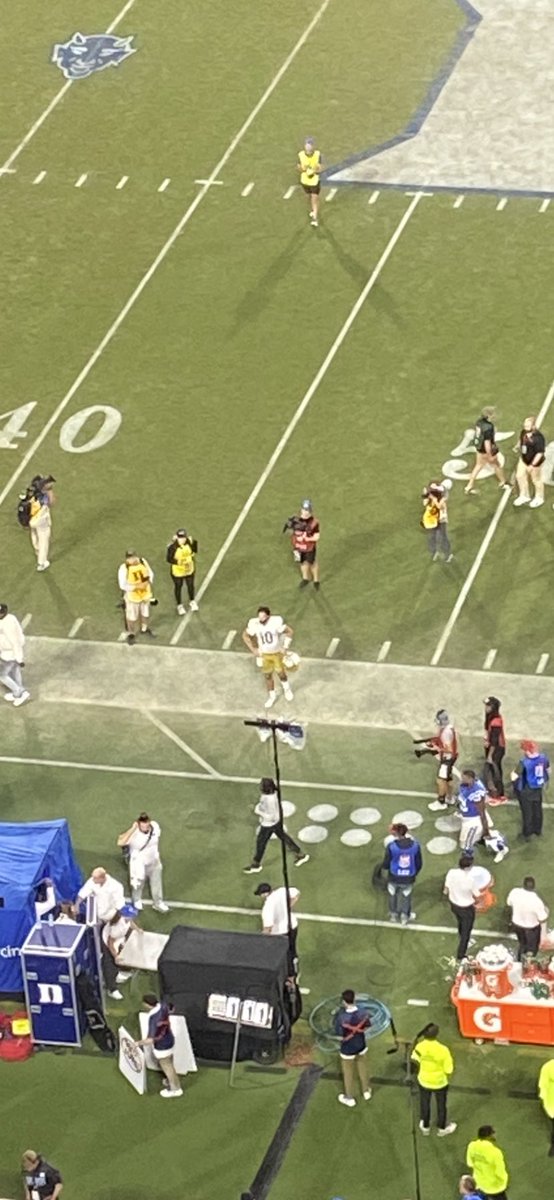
24, 510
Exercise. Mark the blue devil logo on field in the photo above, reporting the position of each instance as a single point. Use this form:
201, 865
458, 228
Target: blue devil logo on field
84, 54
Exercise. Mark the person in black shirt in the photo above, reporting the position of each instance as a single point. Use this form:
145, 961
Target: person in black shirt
531, 448
495, 749
486, 452
42, 1181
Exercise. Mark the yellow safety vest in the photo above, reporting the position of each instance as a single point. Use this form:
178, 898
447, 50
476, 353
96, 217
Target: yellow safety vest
309, 176
138, 577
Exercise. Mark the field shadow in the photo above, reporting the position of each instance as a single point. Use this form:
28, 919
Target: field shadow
256, 300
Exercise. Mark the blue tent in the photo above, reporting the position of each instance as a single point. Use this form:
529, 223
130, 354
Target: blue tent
28, 854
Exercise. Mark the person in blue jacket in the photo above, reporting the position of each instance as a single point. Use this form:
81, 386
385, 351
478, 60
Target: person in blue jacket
529, 779
403, 862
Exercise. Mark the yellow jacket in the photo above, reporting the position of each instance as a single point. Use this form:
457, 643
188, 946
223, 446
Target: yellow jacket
486, 1163
546, 1087
435, 1063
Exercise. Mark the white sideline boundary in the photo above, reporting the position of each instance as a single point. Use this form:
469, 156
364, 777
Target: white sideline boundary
325, 919
300, 410
477, 562
56, 100
162, 254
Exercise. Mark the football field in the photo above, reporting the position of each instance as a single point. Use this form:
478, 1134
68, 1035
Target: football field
181, 348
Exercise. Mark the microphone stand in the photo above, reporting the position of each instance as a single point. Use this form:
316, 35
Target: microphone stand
283, 727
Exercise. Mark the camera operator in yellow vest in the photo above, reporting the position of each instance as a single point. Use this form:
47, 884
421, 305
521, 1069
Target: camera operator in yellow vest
181, 556
310, 167
135, 578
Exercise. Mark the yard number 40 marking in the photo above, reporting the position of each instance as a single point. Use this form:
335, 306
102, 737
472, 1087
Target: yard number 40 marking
16, 419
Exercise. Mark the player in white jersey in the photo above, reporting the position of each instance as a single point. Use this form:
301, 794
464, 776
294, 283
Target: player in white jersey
267, 637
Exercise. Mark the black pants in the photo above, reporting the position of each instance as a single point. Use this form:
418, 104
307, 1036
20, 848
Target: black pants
264, 834
292, 959
178, 581
492, 772
425, 1095
528, 939
109, 969
465, 919
530, 803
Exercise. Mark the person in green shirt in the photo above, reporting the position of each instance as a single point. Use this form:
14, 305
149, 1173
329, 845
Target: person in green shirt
435, 1065
486, 1163
486, 452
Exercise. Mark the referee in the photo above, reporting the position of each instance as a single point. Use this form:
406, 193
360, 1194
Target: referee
310, 166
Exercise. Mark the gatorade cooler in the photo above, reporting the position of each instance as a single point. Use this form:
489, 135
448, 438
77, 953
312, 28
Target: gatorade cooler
495, 963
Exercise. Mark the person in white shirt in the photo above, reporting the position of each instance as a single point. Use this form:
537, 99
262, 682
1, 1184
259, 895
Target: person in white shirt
109, 892
275, 918
462, 891
12, 657
135, 578
267, 809
142, 841
528, 915
267, 636
115, 933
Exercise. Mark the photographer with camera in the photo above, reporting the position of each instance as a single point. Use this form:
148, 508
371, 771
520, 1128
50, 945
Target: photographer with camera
135, 577
140, 845
181, 556
304, 530
33, 513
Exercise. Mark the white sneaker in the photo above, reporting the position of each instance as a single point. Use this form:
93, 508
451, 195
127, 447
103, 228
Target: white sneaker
181, 610
43, 566
501, 854
161, 907
521, 500
299, 862
536, 502
451, 1128
287, 692
193, 606
138, 905
21, 699
169, 1094
270, 700
348, 1100
424, 1129
437, 806
123, 976
9, 697
115, 995
367, 1095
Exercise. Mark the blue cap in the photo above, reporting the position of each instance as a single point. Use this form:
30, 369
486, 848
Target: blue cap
307, 504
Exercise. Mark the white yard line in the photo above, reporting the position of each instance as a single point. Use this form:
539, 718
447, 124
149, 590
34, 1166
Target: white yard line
501, 204
289, 192
111, 332
174, 737
545, 204
324, 919
301, 409
475, 567
383, 651
542, 664
26, 620
124, 179
229, 639
489, 659
56, 100
246, 190
332, 647
161, 773
331, 194
76, 627
458, 202
374, 197
81, 180
39, 178
164, 185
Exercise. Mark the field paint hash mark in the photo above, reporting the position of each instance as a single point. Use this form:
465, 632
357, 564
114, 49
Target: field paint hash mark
542, 664
544, 206
81, 180
289, 192
246, 190
124, 179
229, 639
458, 202
489, 659
475, 567
374, 197
303, 405
59, 96
174, 737
167, 246
331, 194
39, 178
164, 185
418, 1003
26, 620
210, 182
502, 204
76, 627
383, 651
332, 647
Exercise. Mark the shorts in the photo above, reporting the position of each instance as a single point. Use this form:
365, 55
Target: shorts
312, 189
308, 556
162, 1053
272, 662
134, 610
446, 769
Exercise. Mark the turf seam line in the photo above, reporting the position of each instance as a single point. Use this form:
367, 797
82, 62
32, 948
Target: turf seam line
280, 1142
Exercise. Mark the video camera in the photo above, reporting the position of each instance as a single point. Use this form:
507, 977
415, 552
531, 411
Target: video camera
39, 483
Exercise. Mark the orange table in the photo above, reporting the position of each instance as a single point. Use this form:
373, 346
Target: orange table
517, 1017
